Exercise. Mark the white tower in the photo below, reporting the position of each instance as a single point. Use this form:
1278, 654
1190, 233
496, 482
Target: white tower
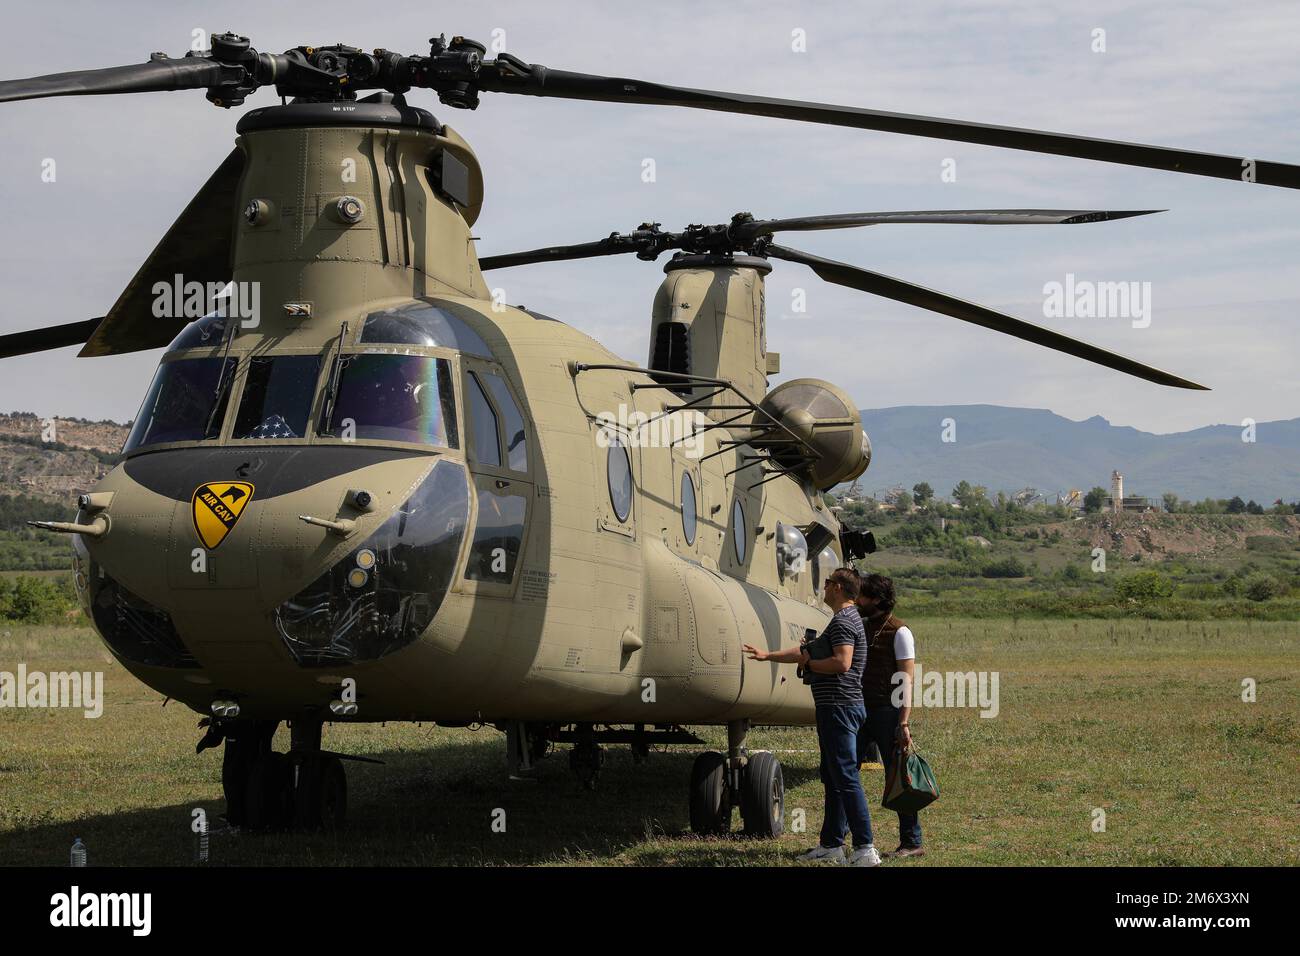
1116, 492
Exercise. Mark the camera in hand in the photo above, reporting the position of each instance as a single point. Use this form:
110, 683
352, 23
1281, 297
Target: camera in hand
818, 648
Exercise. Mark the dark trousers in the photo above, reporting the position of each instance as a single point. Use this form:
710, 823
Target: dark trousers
880, 727
846, 804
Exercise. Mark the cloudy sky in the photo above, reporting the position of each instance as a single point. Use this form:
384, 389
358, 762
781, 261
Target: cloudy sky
1221, 262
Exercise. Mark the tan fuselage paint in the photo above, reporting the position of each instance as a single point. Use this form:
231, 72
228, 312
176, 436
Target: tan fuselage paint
598, 606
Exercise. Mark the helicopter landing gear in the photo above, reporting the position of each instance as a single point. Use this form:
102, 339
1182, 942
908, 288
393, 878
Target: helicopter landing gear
320, 799
762, 797
268, 800
318, 789
246, 741
265, 790
526, 744
710, 796
752, 781
586, 757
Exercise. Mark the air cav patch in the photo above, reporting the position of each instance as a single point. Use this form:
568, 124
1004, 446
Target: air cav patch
217, 506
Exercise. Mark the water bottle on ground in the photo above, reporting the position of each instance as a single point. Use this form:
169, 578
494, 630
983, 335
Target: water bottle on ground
78, 853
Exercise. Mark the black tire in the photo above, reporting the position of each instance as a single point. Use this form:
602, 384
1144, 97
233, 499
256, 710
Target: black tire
269, 794
332, 794
710, 800
236, 762
306, 790
320, 799
762, 796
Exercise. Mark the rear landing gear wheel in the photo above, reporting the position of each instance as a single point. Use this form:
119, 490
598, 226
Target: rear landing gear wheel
762, 796
710, 799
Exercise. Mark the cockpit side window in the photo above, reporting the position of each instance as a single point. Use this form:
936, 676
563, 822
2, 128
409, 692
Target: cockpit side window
186, 402
426, 324
277, 398
515, 433
483, 424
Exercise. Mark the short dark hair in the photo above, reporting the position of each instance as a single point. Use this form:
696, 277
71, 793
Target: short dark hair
882, 589
847, 579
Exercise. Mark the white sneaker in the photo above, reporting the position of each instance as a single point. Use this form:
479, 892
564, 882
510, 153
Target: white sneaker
864, 856
823, 854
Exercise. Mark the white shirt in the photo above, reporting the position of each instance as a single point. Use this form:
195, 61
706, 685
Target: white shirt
904, 644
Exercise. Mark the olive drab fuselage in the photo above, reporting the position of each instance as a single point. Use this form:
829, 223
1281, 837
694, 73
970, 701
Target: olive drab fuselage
590, 614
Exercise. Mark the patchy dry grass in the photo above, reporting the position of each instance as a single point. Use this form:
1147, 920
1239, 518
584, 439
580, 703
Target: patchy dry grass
1143, 720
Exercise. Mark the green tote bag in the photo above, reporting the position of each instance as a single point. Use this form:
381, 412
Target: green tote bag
911, 784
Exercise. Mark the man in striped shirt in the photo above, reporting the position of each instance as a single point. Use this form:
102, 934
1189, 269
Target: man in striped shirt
835, 661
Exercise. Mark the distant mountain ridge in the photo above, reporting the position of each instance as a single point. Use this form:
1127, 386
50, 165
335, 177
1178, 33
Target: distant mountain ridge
1002, 448
1007, 449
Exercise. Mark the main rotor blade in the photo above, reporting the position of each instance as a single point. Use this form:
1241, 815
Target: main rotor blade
198, 247
541, 81
51, 337
583, 250
841, 273
974, 217
185, 73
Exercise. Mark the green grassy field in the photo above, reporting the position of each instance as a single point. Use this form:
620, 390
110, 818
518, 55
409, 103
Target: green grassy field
1142, 719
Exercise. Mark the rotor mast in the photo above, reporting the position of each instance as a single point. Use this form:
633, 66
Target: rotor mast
364, 212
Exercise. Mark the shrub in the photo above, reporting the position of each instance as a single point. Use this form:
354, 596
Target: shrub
1011, 567
1144, 586
1260, 587
1267, 543
32, 600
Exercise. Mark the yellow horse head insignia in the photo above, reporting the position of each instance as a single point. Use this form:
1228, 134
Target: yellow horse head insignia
217, 506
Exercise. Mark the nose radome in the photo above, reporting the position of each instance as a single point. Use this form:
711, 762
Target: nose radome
275, 599
225, 523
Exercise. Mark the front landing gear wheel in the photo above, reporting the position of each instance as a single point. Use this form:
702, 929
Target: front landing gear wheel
710, 800
246, 742
762, 796
268, 802
321, 799
333, 794
236, 764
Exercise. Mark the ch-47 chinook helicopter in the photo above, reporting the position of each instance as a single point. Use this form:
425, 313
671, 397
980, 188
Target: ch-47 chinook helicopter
387, 497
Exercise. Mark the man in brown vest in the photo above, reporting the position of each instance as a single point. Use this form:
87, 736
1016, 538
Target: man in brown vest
891, 650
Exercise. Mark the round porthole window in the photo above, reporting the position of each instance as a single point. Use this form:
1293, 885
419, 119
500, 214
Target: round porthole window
739, 536
688, 507
619, 468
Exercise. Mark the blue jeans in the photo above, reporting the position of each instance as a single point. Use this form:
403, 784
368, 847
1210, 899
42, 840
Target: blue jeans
846, 804
880, 726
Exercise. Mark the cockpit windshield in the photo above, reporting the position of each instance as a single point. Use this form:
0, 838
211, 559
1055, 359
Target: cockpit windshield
182, 404
277, 398
424, 323
207, 332
393, 397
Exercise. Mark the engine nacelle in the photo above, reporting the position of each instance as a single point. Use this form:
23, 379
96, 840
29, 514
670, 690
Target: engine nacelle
823, 416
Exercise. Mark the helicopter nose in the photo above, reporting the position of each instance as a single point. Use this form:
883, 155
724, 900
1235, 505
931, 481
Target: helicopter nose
240, 570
